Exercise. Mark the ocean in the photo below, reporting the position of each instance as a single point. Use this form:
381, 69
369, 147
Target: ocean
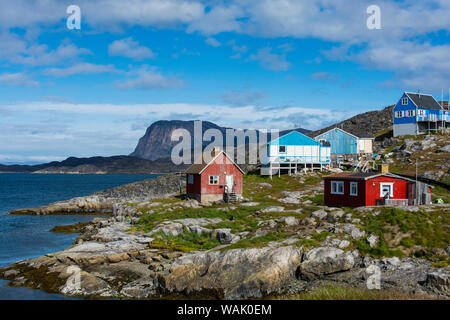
25, 237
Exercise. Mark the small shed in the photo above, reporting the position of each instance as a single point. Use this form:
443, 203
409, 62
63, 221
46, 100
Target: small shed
219, 179
356, 189
342, 142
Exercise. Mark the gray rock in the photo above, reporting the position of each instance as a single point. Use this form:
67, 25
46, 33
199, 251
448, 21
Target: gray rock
445, 149
372, 240
323, 261
319, 214
237, 274
223, 235
438, 282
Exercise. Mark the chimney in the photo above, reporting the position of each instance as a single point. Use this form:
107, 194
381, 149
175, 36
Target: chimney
216, 151
384, 168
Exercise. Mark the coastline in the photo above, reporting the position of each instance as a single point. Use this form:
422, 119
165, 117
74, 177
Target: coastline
118, 260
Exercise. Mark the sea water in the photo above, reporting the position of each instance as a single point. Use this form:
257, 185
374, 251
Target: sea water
25, 237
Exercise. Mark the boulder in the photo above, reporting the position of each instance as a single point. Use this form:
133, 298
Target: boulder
319, 214
372, 240
323, 261
438, 282
223, 235
234, 274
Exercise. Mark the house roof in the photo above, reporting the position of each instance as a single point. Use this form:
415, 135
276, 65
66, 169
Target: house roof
198, 168
336, 128
366, 136
363, 176
295, 138
424, 101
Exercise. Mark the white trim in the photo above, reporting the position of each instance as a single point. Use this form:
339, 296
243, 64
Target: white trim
214, 176
226, 155
337, 183
391, 184
337, 129
351, 185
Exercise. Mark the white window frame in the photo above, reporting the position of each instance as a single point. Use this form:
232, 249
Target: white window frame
399, 114
410, 113
391, 184
285, 148
421, 112
337, 183
351, 188
214, 181
190, 179
403, 101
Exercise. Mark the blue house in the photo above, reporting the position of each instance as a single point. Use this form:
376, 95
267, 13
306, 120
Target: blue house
294, 151
342, 142
417, 113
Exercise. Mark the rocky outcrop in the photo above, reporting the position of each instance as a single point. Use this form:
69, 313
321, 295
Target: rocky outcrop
323, 261
234, 274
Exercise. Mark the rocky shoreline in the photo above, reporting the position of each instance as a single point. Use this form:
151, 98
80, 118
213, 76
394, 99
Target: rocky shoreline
113, 259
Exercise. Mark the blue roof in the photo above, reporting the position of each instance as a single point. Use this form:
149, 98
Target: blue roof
295, 138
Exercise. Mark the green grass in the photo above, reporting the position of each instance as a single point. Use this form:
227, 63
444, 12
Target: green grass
425, 229
188, 241
257, 242
335, 292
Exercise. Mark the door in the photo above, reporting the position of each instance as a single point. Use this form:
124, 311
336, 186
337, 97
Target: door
229, 183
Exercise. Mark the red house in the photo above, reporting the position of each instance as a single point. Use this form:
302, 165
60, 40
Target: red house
219, 179
355, 189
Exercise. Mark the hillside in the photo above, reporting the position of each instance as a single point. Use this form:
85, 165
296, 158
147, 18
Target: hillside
432, 153
368, 123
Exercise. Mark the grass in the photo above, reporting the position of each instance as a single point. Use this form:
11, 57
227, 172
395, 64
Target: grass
335, 292
188, 241
257, 242
421, 230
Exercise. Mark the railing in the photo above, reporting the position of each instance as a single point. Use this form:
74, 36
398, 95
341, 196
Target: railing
392, 202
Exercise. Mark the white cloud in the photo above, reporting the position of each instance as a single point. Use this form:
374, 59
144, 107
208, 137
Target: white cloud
17, 79
325, 76
80, 68
213, 42
131, 49
149, 79
243, 97
271, 61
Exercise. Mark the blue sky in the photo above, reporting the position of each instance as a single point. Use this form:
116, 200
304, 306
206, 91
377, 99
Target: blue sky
240, 63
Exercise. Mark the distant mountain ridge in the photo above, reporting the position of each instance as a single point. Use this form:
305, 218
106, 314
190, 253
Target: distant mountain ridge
156, 142
98, 165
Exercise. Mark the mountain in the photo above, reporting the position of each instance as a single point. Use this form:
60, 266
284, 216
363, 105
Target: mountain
368, 123
156, 142
99, 165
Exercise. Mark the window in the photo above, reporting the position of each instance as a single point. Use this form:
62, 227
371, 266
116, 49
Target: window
353, 188
399, 114
337, 187
420, 113
282, 149
190, 179
410, 113
213, 179
404, 101
386, 189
